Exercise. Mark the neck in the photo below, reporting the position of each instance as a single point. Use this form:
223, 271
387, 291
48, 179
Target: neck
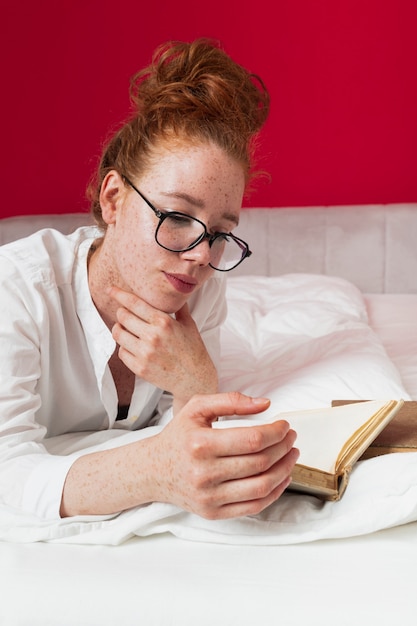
101, 276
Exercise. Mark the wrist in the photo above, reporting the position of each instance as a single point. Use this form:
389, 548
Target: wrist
179, 401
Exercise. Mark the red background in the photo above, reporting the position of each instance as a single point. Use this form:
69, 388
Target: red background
342, 76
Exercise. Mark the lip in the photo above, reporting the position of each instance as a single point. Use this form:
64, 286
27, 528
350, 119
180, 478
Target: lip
182, 282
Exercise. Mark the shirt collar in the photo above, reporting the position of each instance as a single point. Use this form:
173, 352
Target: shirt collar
101, 344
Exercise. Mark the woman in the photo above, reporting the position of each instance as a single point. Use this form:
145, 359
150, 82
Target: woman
98, 324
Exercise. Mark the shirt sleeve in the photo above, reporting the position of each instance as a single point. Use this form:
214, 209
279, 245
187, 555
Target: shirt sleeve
30, 478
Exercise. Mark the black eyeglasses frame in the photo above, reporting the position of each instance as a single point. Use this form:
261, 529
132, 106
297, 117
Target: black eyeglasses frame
161, 215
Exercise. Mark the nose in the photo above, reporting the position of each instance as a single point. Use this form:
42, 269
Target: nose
201, 254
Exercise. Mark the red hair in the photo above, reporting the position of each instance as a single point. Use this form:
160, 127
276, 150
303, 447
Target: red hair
192, 91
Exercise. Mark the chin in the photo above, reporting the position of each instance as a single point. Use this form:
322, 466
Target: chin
166, 301
166, 305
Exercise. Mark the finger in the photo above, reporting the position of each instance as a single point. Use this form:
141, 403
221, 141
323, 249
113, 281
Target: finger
131, 352
243, 440
126, 338
129, 321
133, 303
261, 486
253, 464
251, 495
205, 409
154, 330
249, 507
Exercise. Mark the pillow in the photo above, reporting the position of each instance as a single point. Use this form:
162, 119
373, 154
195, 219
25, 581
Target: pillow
302, 340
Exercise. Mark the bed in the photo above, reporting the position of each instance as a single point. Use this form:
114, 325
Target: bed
326, 306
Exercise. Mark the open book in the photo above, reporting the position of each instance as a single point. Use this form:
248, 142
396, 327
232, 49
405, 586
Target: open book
331, 440
399, 436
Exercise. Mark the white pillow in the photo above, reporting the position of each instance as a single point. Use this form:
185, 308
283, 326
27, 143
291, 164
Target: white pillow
302, 340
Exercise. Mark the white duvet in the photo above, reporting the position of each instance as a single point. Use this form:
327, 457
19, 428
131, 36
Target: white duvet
301, 340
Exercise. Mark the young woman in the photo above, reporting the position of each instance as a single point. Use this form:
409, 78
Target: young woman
108, 327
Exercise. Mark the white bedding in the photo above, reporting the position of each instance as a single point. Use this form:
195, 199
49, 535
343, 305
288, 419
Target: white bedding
165, 581
222, 577
394, 319
302, 340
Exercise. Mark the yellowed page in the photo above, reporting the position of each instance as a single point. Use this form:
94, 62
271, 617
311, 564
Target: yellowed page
322, 433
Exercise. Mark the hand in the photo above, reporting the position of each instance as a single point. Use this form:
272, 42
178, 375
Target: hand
216, 473
165, 351
222, 473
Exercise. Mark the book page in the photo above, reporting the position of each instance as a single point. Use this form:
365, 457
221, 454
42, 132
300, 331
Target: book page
323, 432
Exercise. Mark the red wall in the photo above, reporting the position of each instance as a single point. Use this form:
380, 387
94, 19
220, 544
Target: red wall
342, 76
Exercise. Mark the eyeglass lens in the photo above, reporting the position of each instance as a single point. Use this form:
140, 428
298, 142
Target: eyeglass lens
179, 232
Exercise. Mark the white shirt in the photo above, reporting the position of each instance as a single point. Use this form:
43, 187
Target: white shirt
54, 352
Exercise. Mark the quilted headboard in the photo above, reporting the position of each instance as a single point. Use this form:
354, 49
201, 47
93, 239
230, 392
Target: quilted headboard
373, 246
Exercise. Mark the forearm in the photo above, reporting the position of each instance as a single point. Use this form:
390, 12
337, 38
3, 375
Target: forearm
216, 473
110, 481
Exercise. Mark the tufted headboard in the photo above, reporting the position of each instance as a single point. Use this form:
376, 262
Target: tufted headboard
373, 246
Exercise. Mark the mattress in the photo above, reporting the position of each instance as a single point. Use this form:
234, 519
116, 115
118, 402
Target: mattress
162, 579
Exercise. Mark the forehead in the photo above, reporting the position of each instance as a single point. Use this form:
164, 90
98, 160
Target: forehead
203, 172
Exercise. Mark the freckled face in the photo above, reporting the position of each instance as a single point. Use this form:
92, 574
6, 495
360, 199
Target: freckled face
201, 181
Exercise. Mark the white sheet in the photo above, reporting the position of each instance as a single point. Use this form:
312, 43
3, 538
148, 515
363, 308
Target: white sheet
394, 319
302, 340
165, 581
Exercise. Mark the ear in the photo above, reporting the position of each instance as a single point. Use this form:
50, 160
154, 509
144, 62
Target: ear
112, 193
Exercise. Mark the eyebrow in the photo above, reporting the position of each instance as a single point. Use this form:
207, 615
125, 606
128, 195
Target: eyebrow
198, 203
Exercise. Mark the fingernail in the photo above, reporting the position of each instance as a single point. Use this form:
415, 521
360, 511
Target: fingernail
260, 400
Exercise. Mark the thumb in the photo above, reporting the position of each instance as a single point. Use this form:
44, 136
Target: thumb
206, 409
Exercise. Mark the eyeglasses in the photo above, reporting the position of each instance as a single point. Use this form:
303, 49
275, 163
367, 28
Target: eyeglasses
179, 232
